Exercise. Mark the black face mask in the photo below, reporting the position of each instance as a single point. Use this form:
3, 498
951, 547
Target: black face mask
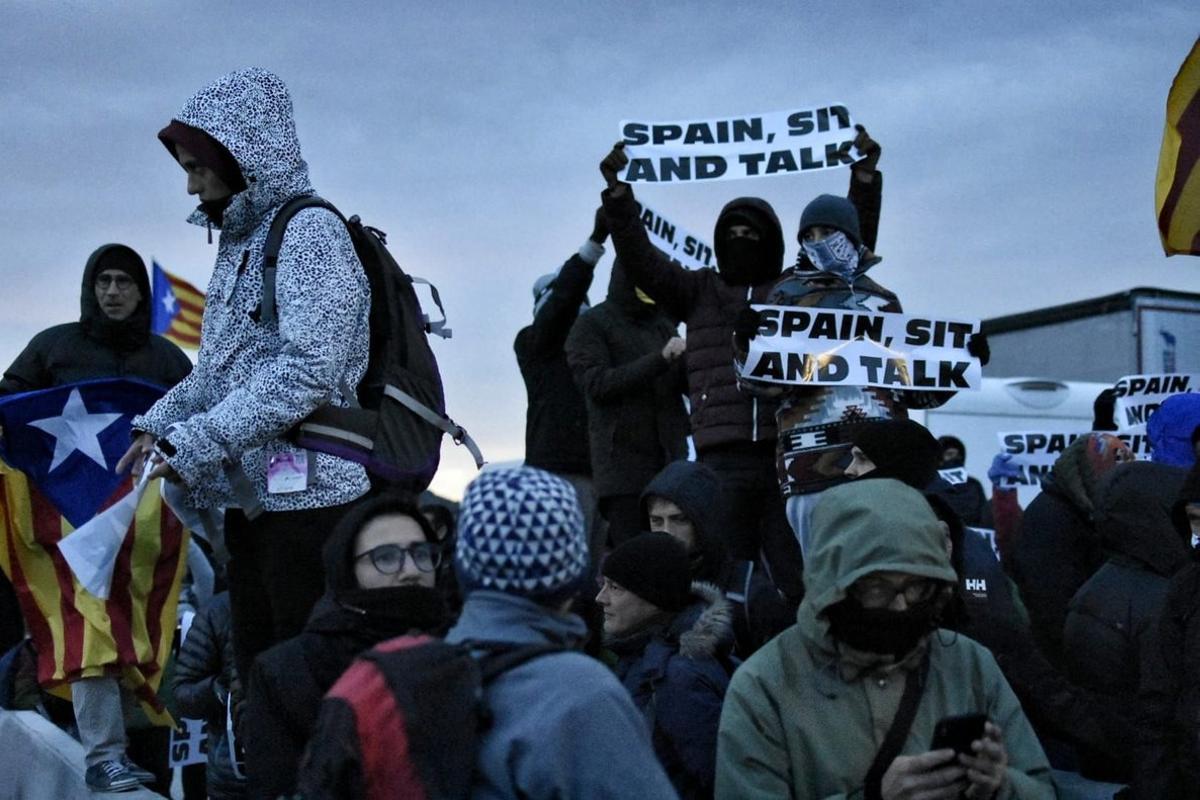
882, 630
742, 261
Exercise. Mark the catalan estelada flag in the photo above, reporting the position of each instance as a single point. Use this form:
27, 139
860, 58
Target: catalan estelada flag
1177, 189
70, 438
178, 309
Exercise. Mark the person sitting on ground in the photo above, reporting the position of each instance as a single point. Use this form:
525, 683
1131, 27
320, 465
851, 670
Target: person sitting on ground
687, 500
846, 701
379, 567
672, 639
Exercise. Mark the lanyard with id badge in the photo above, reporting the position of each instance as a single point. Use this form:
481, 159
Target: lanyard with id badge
290, 471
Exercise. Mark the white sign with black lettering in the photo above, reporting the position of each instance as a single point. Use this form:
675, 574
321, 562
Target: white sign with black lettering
1139, 396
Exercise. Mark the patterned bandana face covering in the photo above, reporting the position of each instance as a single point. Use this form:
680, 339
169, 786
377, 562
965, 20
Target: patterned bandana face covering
835, 254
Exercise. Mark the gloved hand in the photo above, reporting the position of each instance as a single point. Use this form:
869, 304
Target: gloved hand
599, 227
864, 168
613, 164
745, 327
1002, 467
977, 346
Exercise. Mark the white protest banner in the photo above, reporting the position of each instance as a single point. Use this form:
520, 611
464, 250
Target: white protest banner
861, 348
1139, 396
1033, 453
189, 743
773, 143
954, 477
667, 236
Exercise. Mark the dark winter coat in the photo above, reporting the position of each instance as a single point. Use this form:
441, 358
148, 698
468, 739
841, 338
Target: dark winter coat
556, 429
720, 414
758, 611
96, 346
636, 419
204, 678
968, 501
1055, 553
1109, 629
289, 680
677, 676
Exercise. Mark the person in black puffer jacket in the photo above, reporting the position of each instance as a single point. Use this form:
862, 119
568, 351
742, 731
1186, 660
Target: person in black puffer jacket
363, 605
205, 686
1109, 633
628, 361
687, 501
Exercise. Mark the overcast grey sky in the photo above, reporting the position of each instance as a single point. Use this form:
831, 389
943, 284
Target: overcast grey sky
1020, 143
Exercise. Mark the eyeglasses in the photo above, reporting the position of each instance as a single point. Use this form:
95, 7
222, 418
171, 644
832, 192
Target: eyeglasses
123, 282
389, 558
880, 594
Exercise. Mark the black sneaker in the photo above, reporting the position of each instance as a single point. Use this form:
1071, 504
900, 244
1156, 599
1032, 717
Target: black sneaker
142, 775
110, 776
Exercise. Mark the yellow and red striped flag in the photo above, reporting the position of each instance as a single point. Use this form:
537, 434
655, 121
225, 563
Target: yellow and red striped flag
178, 309
1177, 189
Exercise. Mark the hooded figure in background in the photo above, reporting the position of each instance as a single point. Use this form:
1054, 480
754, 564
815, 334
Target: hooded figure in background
805, 716
1109, 633
967, 498
628, 361
1171, 431
1056, 548
688, 501
289, 680
112, 338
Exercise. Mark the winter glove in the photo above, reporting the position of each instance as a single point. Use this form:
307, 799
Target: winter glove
864, 168
745, 327
599, 227
1002, 468
1103, 410
612, 165
977, 346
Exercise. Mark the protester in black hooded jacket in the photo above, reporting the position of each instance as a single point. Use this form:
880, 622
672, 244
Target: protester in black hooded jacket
759, 610
1167, 749
289, 680
99, 346
966, 498
1109, 634
628, 361
556, 422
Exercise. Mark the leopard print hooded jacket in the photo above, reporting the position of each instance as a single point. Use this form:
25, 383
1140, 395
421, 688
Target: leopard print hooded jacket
255, 380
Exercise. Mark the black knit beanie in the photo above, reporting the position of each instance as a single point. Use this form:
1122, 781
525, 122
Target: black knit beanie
900, 449
831, 211
654, 566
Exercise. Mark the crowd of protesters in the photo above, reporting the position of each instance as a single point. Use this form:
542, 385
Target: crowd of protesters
807, 609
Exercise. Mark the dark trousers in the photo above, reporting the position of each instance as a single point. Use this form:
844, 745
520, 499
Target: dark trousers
758, 520
276, 575
623, 513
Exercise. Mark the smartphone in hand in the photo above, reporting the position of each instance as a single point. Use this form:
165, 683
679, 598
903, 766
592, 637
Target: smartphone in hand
957, 733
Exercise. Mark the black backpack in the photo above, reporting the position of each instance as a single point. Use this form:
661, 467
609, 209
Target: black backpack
405, 720
396, 430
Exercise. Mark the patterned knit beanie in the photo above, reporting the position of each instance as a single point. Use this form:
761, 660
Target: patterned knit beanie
520, 531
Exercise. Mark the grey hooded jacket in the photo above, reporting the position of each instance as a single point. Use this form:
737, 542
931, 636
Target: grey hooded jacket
255, 380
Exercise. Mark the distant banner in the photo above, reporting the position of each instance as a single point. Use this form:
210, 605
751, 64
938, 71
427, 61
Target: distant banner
1139, 396
678, 244
773, 143
1034, 452
954, 477
861, 348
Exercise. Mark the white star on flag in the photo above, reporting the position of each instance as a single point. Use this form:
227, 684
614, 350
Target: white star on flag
168, 302
75, 430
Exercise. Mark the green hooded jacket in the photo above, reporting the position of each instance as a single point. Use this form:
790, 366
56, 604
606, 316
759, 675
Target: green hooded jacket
804, 719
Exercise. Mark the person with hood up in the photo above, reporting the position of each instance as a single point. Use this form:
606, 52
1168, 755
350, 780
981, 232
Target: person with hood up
672, 639
687, 501
556, 420
380, 564
112, 339
821, 710
966, 498
628, 360
1056, 548
562, 724
1167, 748
986, 606
817, 423
1109, 633
734, 434
1172, 431
222, 430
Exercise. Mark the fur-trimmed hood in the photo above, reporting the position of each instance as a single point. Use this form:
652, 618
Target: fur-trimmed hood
706, 627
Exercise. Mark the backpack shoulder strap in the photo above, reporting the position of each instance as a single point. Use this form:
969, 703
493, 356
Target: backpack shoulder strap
275, 242
893, 742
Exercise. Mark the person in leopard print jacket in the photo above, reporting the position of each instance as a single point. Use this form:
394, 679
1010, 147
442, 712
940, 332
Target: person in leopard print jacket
221, 430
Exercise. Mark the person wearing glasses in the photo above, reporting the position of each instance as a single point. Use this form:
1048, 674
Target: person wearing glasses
845, 702
380, 566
